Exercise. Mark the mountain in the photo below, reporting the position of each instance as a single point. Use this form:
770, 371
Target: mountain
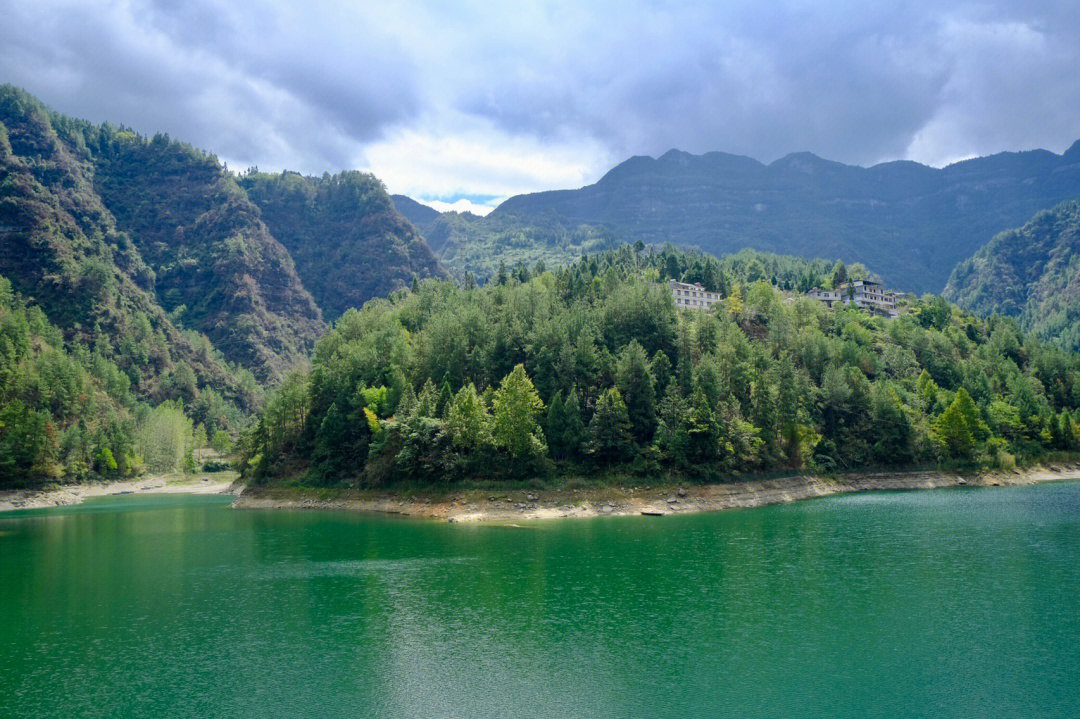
910, 222
465, 242
415, 212
348, 241
218, 269
62, 251
1032, 273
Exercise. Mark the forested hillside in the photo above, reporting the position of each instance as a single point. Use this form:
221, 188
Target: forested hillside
68, 411
910, 222
60, 248
348, 241
592, 368
1031, 273
217, 268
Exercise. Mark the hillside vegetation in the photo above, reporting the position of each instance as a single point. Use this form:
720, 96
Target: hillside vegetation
910, 222
1031, 273
348, 241
592, 368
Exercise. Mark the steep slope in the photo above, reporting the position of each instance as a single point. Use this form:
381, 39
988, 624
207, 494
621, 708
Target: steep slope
348, 241
1032, 273
60, 248
218, 270
912, 223
420, 215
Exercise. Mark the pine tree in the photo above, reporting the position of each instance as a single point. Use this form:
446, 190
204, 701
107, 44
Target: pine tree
671, 434
446, 396
661, 372
953, 431
610, 439
702, 429
573, 426
555, 425
468, 420
427, 400
514, 426
635, 384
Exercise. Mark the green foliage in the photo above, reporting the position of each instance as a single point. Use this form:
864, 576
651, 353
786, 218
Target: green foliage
164, 439
513, 423
221, 442
1031, 273
610, 438
342, 231
780, 382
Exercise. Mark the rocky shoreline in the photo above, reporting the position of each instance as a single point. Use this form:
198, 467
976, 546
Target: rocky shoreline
13, 499
512, 506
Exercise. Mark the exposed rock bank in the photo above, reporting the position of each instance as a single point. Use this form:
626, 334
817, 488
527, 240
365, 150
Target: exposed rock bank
77, 493
503, 506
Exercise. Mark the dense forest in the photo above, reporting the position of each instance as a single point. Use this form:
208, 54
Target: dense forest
348, 241
69, 412
910, 222
591, 368
1031, 273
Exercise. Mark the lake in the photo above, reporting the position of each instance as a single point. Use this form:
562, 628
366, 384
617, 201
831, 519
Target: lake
947, 603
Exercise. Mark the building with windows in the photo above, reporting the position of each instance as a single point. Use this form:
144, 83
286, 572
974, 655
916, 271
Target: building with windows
693, 297
864, 294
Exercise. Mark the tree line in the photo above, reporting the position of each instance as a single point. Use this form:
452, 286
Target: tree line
69, 413
591, 368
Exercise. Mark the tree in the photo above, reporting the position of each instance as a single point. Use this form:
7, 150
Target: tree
516, 404
635, 384
610, 437
555, 424
573, 427
957, 428
467, 420
702, 429
221, 442
661, 371
671, 436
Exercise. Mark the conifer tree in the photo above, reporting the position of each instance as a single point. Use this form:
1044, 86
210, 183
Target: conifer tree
514, 426
555, 424
573, 426
610, 438
661, 372
635, 384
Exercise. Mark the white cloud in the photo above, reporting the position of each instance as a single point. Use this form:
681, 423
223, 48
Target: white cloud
462, 205
475, 157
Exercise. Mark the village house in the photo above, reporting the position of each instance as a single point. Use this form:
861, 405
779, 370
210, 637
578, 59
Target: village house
864, 294
694, 297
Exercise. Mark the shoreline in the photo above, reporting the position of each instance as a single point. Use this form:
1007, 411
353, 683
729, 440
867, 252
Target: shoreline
667, 499
69, 494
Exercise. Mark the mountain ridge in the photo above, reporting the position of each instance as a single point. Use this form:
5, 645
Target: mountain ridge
909, 221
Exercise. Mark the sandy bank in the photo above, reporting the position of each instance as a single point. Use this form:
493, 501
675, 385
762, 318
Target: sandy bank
76, 493
489, 506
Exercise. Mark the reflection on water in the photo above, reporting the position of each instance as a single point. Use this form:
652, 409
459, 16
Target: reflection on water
923, 604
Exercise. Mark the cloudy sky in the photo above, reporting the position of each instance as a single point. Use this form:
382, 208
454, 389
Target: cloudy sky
469, 102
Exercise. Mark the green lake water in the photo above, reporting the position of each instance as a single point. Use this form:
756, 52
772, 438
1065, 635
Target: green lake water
951, 603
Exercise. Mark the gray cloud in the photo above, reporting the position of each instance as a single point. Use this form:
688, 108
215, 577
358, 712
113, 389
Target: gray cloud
415, 89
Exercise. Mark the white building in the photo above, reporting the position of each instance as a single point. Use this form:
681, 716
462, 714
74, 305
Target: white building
693, 297
864, 294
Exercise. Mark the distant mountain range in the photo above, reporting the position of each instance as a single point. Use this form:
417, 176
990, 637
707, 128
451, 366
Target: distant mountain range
1031, 273
908, 222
